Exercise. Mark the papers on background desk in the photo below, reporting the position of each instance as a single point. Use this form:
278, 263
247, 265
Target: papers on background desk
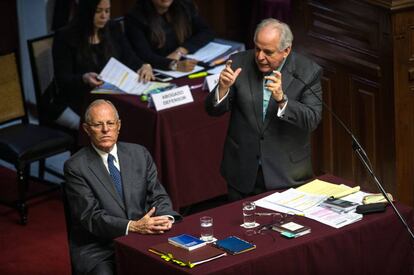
209, 52
108, 88
122, 77
177, 74
217, 69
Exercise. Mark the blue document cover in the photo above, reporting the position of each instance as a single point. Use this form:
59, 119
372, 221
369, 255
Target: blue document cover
186, 241
235, 245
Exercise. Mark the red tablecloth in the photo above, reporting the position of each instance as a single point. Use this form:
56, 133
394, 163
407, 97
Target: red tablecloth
184, 141
379, 244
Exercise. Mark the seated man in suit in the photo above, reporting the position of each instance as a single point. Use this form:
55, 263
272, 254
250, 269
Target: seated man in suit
112, 190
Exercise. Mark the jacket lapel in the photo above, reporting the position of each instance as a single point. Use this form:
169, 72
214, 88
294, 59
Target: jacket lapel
127, 174
256, 93
99, 170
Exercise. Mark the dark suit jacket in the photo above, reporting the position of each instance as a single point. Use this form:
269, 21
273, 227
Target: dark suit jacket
281, 145
98, 215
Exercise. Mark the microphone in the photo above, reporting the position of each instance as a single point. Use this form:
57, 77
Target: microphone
358, 149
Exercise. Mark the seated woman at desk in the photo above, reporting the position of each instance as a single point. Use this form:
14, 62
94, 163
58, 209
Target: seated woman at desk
82, 49
162, 31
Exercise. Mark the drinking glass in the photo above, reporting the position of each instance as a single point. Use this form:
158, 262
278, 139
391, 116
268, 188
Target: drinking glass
206, 228
249, 219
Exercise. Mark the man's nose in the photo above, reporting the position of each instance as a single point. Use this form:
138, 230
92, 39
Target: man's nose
260, 55
105, 127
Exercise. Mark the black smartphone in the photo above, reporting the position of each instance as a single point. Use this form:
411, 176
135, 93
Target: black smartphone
162, 77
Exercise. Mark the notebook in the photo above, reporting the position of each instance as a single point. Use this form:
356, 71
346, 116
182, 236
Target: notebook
235, 245
184, 257
186, 241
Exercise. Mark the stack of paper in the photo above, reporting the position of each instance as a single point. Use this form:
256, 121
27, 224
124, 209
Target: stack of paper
209, 52
332, 218
305, 200
177, 74
123, 78
321, 187
291, 201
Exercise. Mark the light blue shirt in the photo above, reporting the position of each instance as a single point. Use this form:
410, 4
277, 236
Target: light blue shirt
267, 94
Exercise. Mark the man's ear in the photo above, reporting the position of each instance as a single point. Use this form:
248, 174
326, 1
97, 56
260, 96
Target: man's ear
86, 128
287, 51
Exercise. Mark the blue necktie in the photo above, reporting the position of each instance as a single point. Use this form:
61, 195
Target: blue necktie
266, 97
115, 175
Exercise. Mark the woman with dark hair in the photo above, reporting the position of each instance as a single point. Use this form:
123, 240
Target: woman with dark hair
162, 31
82, 49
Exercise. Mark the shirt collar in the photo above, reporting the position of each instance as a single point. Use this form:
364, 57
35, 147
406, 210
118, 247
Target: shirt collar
278, 68
104, 155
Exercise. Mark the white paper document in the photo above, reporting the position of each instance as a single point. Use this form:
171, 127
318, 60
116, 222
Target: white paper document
209, 52
217, 69
329, 217
291, 200
177, 74
123, 77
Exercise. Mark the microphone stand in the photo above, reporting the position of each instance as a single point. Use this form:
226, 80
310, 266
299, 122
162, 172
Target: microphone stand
360, 152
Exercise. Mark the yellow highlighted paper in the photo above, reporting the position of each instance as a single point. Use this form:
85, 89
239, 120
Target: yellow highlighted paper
320, 187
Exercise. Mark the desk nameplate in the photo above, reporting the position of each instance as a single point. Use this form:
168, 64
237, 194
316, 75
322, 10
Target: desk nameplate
172, 98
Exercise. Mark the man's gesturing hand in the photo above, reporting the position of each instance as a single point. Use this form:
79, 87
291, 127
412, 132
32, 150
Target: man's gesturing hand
227, 78
151, 225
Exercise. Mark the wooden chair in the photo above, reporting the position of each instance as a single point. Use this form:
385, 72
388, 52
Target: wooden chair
41, 61
23, 143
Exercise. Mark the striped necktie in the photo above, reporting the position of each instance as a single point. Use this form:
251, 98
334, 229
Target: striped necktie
115, 175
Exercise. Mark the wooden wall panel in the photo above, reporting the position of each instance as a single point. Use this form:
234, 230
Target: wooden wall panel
364, 125
370, 46
403, 25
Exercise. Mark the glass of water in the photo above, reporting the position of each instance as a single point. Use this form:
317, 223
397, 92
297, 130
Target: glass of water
249, 219
206, 229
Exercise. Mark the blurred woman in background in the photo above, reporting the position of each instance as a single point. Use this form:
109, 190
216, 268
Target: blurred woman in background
162, 31
80, 52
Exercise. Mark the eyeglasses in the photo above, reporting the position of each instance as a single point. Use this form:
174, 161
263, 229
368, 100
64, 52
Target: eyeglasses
277, 219
111, 124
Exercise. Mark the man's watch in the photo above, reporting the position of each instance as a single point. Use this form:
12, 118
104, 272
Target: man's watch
173, 65
283, 100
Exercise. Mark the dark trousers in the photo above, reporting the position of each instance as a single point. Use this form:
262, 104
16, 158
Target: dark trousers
259, 187
106, 267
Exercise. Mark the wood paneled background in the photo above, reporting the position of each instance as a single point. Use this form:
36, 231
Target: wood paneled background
366, 49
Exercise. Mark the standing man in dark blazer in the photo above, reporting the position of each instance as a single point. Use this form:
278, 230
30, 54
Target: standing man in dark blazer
112, 190
272, 113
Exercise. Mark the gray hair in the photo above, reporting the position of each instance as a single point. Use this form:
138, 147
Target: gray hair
96, 103
286, 36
